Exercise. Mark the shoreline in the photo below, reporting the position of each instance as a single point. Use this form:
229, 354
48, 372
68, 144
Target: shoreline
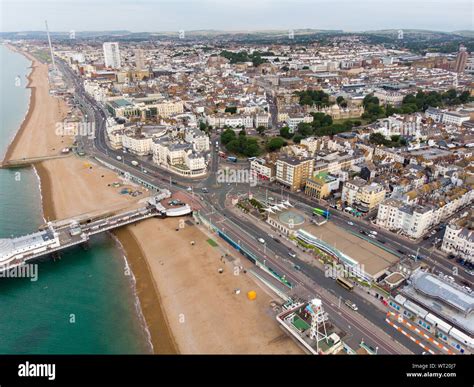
150, 299
155, 323
31, 106
180, 290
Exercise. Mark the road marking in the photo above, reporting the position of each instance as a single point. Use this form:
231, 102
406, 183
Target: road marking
413, 328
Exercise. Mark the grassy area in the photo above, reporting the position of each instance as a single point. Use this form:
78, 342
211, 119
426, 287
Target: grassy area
212, 242
343, 120
42, 55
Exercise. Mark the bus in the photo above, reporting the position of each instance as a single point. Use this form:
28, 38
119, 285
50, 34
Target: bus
346, 284
319, 211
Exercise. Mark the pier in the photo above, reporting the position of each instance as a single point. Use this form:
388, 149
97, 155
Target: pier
27, 161
59, 235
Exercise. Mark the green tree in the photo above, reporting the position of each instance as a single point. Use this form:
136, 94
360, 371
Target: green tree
261, 129
285, 132
275, 144
305, 129
297, 138
227, 136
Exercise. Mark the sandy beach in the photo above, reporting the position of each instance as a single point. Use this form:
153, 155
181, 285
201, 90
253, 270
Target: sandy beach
43, 114
188, 306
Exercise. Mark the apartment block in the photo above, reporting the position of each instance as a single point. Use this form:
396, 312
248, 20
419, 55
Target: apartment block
294, 172
362, 195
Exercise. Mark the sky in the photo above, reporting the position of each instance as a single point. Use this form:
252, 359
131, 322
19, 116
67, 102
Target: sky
235, 15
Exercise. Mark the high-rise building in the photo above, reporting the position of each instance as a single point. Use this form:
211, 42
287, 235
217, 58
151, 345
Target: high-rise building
294, 172
139, 59
461, 60
112, 55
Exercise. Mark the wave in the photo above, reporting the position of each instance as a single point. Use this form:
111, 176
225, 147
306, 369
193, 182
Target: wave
137, 304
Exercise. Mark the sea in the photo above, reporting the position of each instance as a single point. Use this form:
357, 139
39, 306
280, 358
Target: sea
82, 303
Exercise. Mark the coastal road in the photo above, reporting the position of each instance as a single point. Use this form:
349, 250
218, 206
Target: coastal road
363, 327
310, 282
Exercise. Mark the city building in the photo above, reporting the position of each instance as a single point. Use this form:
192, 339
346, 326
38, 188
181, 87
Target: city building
362, 195
461, 59
439, 307
263, 169
293, 172
458, 238
321, 185
112, 55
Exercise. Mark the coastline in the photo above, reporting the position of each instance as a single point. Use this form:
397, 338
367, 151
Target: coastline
31, 106
150, 300
47, 202
181, 292
155, 322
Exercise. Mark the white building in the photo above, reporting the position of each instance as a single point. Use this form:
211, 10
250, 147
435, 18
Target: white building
178, 157
136, 142
112, 55
454, 118
459, 241
262, 119
293, 120
262, 169
198, 139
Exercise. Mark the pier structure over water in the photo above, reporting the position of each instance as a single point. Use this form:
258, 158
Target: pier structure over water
59, 235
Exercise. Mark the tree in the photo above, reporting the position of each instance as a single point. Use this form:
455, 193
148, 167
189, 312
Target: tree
369, 99
242, 132
340, 100
297, 138
231, 109
227, 136
305, 129
261, 130
377, 138
252, 149
275, 144
285, 132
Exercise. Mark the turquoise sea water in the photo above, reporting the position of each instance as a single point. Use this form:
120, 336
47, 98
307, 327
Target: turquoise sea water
81, 304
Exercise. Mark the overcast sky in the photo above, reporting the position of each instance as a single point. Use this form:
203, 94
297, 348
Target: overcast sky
173, 15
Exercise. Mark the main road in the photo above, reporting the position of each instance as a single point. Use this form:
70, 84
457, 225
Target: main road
367, 324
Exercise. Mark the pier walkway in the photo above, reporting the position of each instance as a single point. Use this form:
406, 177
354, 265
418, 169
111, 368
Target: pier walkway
57, 236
